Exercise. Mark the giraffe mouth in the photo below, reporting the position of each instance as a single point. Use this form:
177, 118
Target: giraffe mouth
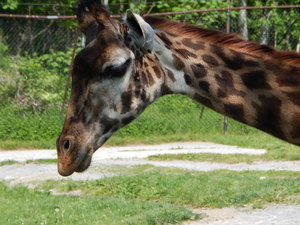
85, 164
68, 165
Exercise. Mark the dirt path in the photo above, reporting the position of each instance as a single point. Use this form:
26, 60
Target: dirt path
134, 155
271, 215
144, 151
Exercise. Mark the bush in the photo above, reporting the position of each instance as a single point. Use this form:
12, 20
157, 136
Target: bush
35, 83
44, 125
4, 62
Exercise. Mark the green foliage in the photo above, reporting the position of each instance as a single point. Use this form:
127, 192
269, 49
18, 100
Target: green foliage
35, 83
43, 79
4, 62
47, 7
15, 125
10, 4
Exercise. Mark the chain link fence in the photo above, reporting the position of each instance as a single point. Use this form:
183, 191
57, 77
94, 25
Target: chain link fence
36, 54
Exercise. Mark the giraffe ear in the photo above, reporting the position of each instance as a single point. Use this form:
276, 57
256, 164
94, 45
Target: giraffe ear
91, 16
141, 31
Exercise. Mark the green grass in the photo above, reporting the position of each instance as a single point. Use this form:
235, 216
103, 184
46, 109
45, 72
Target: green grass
8, 162
207, 157
22, 206
42, 161
36, 161
228, 158
196, 189
27, 144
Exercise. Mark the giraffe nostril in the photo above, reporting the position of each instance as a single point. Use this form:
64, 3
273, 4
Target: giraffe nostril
66, 146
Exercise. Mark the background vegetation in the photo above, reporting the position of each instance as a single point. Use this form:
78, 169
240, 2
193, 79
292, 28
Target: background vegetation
36, 54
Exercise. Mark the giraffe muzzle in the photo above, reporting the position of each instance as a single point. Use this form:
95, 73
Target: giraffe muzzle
72, 157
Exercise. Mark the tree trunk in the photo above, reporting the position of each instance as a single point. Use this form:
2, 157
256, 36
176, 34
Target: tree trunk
265, 30
243, 26
105, 2
298, 46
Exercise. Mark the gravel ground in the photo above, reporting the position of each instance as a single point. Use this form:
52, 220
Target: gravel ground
134, 155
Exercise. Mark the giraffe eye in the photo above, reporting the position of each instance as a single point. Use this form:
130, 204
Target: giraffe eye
117, 71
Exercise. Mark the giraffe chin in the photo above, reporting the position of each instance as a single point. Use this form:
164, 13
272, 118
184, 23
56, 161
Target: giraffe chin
79, 165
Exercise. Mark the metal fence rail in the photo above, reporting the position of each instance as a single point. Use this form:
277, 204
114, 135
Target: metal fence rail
36, 53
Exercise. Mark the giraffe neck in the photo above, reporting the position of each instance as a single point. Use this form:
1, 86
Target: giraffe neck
254, 90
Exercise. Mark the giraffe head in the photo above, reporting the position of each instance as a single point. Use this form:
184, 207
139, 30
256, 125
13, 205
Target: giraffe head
107, 88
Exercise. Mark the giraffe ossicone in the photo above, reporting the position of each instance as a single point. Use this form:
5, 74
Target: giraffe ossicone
126, 65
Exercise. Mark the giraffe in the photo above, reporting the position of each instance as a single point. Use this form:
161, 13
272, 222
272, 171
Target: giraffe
126, 65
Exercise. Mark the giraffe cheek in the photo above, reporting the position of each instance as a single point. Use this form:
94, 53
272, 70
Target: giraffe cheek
109, 124
126, 101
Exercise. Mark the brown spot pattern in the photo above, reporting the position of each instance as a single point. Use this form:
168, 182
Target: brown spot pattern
296, 128
199, 70
287, 78
236, 111
108, 124
203, 100
179, 65
188, 42
185, 53
150, 79
236, 61
165, 39
156, 71
225, 82
144, 79
204, 86
171, 75
188, 79
166, 90
126, 99
255, 80
210, 60
294, 97
268, 115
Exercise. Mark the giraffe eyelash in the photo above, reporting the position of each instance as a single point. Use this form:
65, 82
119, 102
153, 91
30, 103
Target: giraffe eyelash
117, 71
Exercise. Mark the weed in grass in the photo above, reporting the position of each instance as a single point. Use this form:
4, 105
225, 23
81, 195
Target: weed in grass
22, 206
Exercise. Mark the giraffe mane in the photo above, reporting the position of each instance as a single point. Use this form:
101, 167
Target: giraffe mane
232, 41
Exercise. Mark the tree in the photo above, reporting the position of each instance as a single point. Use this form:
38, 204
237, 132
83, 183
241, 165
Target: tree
243, 26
